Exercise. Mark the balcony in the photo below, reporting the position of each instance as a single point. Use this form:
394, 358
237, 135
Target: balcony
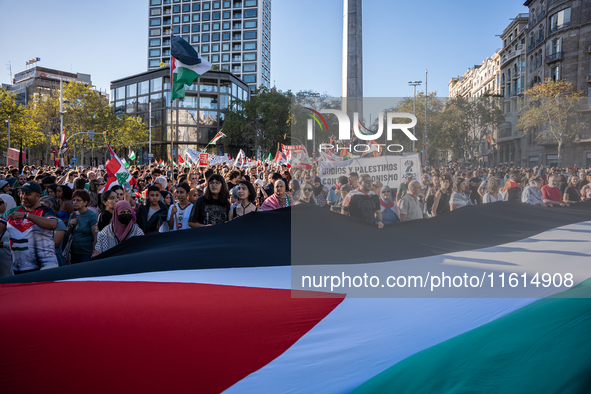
554, 57
538, 18
535, 44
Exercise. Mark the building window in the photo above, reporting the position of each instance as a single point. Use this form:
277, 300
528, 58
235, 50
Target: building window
205, 6
154, 52
227, 4
205, 27
155, 42
196, 28
154, 63
205, 48
215, 58
216, 5
215, 26
155, 11
555, 73
250, 13
226, 25
236, 47
186, 18
216, 16
225, 36
215, 47
237, 14
154, 32
249, 78
225, 57
560, 20
236, 36
176, 29
186, 7
196, 7
237, 25
215, 37
206, 16
155, 2
155, 22
195, 38
205, 38
155, 85
176, 19
195, 17
250, 24
176, 9
250, 3
186, 28
225, 67
249, 67
250, 56
225, 47
226, 15
249, 35
250, 46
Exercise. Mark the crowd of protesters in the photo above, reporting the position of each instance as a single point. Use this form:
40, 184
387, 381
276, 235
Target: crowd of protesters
57, 216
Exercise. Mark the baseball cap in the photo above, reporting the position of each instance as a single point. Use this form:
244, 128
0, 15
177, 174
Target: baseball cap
31, 187
346, 188
3, 183
408, 175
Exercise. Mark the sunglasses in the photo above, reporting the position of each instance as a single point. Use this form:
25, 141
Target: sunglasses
307, 189
213, 183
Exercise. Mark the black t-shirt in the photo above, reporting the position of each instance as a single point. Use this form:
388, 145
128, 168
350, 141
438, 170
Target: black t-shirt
209, 212
474, 196
573, 194
363, 206
104, 218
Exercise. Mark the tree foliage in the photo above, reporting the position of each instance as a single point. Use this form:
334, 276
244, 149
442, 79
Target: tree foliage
552, 112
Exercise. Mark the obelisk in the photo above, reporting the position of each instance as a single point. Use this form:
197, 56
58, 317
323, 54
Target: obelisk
352, 59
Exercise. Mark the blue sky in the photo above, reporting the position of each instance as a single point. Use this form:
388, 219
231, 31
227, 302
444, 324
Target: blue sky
401, 39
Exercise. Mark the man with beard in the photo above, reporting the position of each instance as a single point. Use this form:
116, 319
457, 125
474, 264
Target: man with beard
363, 204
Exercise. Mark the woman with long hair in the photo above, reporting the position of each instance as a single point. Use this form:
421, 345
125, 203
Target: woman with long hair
571, 193
120, 229
441, 200
278, 199
431, 192
109, 199
214, 206
459, 198
306, 194
492, 194
246, 200
63, 194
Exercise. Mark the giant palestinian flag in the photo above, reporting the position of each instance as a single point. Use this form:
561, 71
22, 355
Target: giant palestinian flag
178, 312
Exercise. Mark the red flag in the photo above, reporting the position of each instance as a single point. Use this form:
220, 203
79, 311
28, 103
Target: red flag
180, 160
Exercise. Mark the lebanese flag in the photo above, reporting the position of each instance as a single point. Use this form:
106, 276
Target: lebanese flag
185, 67
117, 173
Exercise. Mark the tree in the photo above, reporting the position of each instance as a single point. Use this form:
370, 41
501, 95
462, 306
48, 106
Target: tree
259, 123
469, 120
552, 112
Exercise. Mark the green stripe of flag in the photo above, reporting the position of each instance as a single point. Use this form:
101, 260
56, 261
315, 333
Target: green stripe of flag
541, 348
19, 249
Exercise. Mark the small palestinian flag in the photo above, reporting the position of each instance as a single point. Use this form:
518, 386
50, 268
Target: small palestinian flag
217, 137
131, 155
117, 173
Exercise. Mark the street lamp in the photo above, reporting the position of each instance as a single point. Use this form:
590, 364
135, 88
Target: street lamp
8, 122
414, 106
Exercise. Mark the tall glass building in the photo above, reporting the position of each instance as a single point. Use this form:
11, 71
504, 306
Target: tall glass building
190, 123
235, 35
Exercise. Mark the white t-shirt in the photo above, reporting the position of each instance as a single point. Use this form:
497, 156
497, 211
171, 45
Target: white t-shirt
489, 198
181, 221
